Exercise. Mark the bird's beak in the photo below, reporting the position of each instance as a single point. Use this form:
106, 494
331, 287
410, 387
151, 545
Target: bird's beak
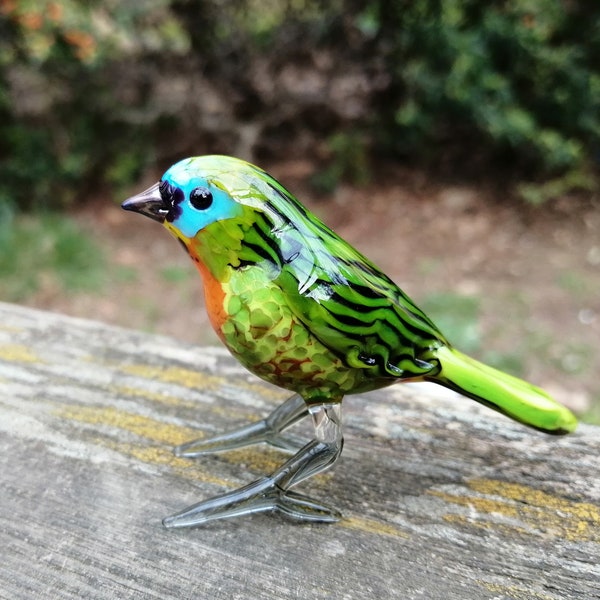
148, 203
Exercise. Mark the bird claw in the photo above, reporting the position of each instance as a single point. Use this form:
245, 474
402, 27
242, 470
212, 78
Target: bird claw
267, 430
272, 493
260, 496
255, 433
300, 507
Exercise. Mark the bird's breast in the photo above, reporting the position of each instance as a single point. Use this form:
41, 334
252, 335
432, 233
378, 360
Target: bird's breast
214, 298
253, 318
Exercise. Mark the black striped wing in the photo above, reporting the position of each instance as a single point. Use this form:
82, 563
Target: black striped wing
354, 309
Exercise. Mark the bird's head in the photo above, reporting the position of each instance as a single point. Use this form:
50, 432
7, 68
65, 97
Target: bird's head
211, 204
197, 192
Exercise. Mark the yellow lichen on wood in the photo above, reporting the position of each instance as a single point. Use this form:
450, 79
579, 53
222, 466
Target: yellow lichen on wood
184, 377
265, 390
10, 328
199, 380
532, 509
373, 526
146, 427
258, 460
169, 400
505, 529
155, 455
165, 399
515, 592
164, 457
18, 353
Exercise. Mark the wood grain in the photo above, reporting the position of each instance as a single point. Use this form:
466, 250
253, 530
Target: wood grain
442, 499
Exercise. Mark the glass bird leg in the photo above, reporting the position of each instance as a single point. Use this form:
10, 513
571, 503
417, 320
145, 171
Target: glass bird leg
272, 493
266, 430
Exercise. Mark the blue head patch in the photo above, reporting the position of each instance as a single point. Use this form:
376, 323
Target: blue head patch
194, 198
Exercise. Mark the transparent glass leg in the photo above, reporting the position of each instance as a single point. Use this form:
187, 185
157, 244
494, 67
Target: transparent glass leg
273, 493
267, 430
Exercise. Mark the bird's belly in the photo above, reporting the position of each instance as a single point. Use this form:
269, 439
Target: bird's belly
263, 333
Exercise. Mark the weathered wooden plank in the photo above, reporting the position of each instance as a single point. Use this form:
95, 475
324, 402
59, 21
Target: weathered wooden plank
442, 498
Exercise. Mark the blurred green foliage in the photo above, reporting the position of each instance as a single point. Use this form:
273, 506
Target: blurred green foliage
458, 317
46, 254
460, 84
349, 162
64, 128
518, 79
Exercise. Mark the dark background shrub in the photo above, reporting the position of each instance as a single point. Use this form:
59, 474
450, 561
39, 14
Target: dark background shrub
90, 95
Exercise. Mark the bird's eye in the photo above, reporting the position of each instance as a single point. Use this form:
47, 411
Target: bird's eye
201, 198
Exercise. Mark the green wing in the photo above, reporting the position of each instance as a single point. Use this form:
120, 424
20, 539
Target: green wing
357, 312
347, 302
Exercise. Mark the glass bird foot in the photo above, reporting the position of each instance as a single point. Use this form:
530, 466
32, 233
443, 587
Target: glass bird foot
267, 430
273, 493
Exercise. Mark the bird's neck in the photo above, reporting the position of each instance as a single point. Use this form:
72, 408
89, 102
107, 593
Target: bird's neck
214, 250
217, 248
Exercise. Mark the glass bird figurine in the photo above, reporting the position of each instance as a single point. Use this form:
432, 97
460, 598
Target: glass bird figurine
302, 309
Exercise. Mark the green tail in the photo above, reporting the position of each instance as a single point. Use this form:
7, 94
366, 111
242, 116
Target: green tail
513, 397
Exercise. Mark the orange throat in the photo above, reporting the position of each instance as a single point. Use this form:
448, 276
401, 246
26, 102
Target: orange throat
214, 297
